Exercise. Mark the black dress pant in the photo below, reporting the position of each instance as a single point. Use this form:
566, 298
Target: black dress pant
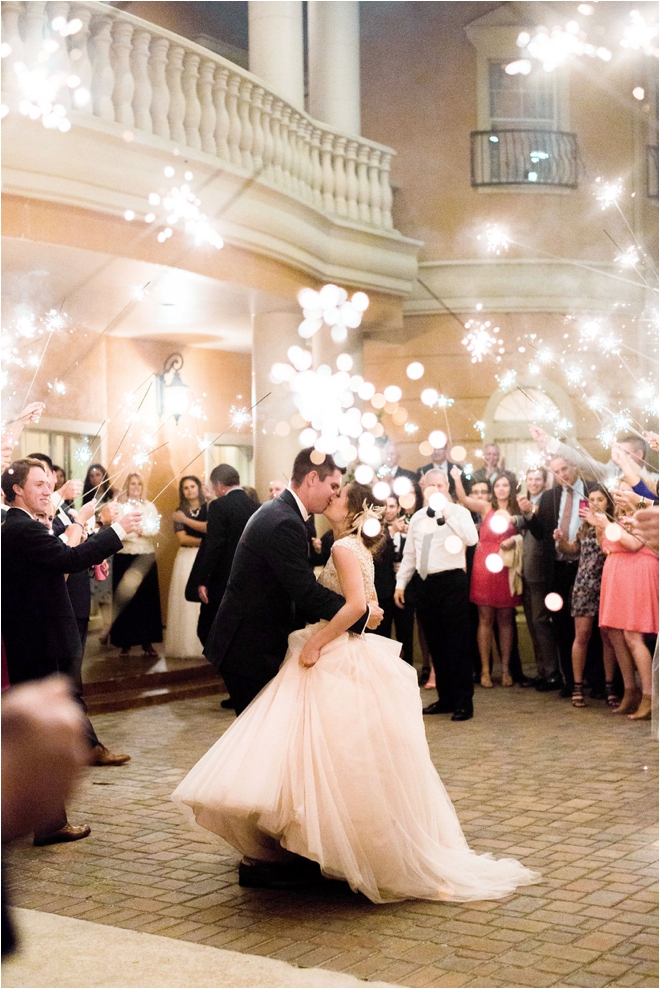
562, 621
442, 609
403, 620
241, 689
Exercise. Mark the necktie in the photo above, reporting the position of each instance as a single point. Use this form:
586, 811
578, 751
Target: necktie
565, 520
426, 549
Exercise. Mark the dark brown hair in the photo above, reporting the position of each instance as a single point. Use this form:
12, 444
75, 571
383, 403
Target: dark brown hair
183, 501
304, 465
356, 495
225, 474
17, 473
512, 504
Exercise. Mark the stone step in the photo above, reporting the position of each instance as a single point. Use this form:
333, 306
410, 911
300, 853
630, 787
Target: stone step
146, 689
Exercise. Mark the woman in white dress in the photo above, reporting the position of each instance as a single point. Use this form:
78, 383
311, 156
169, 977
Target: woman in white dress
182, 616
330, 760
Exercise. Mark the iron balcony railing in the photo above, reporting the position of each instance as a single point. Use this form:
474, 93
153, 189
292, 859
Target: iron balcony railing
652, 171
524, 157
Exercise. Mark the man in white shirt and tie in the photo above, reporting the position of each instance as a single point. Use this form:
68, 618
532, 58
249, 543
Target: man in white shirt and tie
434, 557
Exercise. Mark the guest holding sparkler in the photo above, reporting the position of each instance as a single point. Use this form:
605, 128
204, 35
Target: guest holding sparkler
189, 526
136, 596
97, 485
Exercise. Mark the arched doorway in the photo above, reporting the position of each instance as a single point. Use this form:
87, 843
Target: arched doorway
508, 416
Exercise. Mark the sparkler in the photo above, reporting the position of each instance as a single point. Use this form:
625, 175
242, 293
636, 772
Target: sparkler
496, 237
480, 340
181, 206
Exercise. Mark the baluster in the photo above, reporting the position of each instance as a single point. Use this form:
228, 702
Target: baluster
103, 78
340, 175
80, 55
352, 187
317, 171
11, 11
307, 158
375, 194
193, 112
221, 114
34, 22
269, 144
247, 134
328, 172
363, 183
287, 151
258, 135
386, 191
120, 59
160, 94
234, 119
59, 60
177, 111
294, 166
142, 84
208, 117
278, 143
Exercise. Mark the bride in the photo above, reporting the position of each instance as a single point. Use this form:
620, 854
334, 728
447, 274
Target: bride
330, 761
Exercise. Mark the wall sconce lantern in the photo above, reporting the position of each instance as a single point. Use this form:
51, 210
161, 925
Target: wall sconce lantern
172, 395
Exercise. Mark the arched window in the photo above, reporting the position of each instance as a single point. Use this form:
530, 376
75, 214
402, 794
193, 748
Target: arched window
508, 417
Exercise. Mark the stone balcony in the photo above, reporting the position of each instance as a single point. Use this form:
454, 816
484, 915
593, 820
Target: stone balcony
274, 180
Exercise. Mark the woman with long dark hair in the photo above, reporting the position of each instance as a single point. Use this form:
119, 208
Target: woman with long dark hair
189, 525
97, 485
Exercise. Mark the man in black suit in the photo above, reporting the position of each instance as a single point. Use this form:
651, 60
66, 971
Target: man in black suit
557, 517
439, 462
493, 467
271, 575
226, 519
39, 627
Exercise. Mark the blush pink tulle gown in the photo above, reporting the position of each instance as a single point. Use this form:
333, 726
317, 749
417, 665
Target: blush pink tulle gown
331, 762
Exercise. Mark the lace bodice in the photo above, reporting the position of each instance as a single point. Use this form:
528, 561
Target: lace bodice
329, 578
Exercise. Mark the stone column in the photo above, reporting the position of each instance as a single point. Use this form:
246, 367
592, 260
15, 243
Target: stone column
276, 47
333, 30
272, 335
326, 351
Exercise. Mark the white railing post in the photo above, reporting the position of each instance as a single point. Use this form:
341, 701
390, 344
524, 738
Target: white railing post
328, 172
207, 122
59, 60
316, 169
245, 143
287, 151
269, 143
278, 146
11, 11
352, 188
103, 77
193, 112
177, 111
80, 53
234, 138
34, 20
340, 175
221, 114
124, 85
375, 192
160, 94
258, 135
363, 183
386, 191
142, 92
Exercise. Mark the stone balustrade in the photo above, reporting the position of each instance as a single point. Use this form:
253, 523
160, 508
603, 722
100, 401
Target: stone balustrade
146, 79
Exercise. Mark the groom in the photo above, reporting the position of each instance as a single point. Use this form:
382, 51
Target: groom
270, 578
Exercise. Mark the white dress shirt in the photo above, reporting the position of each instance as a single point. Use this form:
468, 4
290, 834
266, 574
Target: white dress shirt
576, 521
303, 510
458, 522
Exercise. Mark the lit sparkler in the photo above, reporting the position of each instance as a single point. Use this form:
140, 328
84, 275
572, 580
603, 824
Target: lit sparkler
496, 237
180, 205
479, 340
508, 380
629, 259
239, 417
639, 35
608, 193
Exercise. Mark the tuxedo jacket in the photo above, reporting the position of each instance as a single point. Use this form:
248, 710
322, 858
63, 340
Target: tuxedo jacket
270, 577
542, 525
38, 623
78, 585
226, 518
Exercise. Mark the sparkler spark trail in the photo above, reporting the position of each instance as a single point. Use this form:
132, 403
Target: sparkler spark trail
479, 340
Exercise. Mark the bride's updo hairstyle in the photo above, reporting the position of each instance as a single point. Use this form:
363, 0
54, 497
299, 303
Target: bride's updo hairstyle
357, 496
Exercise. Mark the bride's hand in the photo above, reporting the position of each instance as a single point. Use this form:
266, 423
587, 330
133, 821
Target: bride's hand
310, 654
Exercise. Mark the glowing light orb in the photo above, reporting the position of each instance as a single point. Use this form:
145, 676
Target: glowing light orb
369, 420
428, 526
393, 393
499, 524
317, 457
415, 371
554, 601
308, 299
438, 502
407, 501
344, 362
402, 485
366, 391
458, 453
301, 359
425, 448
371, 527
309, 327
282, 372
438, 439
382, 490
308, 437
613, 532
399, 416
330, 296
339, 333
379, 401
364, 474
360, 301
453, 544
638, 93
282, 429
429, 396
494, 563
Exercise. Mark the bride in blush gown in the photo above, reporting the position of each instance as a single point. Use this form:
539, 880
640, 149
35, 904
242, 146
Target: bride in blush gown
330, 760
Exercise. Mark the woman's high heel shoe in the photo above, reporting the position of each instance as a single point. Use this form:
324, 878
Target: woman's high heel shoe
486, 680
577, 697
611, 699
643, 712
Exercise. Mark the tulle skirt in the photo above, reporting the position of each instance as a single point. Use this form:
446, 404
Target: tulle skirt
182, 616
331, 762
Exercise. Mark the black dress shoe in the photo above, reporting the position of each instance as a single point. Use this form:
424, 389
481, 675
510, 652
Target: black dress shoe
438, 708
298, 874
530, 681
70, 832
462, 714
523, 681
550, 683
228, 704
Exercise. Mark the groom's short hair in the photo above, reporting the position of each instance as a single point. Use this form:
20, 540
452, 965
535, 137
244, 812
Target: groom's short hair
304, 465
225, 474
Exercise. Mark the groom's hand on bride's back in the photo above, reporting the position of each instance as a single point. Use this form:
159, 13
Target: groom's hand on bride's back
375, 616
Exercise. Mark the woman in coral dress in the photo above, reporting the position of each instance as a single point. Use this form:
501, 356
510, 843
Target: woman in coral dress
489, 588
330, 761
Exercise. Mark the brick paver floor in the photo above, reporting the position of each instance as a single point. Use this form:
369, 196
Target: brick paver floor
571, 793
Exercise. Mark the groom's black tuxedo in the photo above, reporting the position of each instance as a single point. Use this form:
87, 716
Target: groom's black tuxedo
270, 578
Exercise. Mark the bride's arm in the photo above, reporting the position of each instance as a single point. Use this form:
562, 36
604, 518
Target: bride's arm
352, 586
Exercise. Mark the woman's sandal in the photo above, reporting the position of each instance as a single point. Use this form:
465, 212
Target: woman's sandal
577, 697
611, 699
